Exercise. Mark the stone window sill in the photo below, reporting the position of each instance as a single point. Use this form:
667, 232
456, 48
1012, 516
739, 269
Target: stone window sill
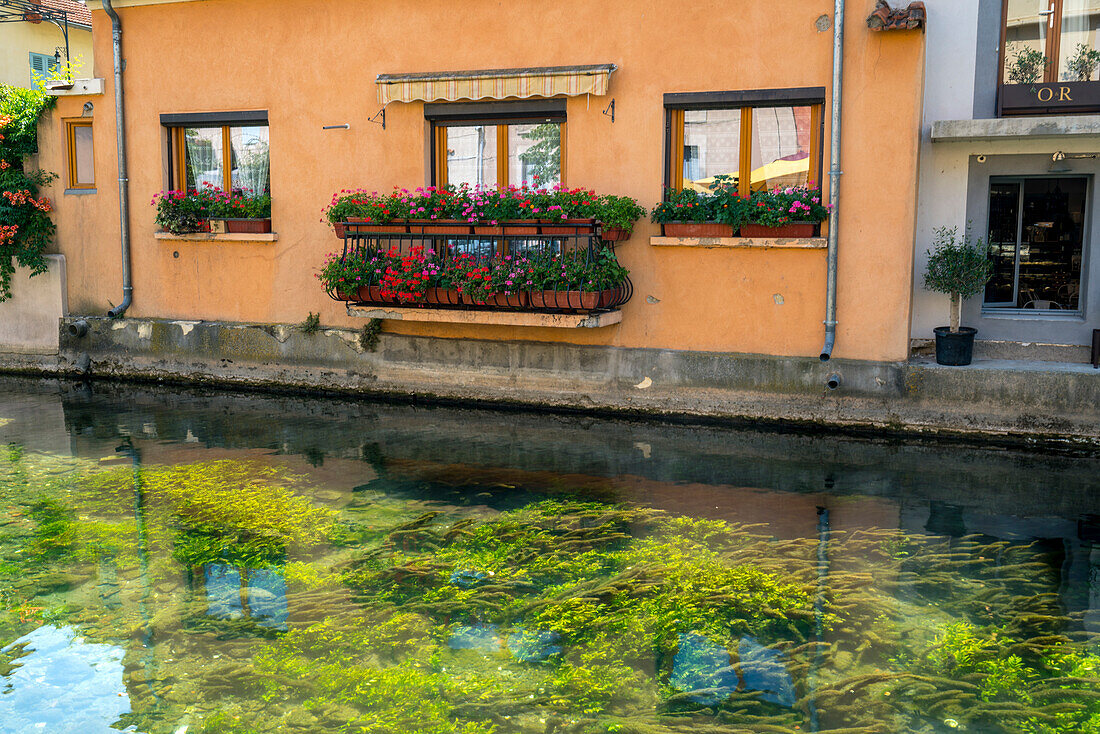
208, 237
778, 243
489, 318
79, 192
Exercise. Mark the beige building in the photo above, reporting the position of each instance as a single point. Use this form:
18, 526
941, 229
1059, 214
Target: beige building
31, 42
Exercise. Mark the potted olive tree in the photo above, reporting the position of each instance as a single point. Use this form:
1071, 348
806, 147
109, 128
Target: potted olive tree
960, 268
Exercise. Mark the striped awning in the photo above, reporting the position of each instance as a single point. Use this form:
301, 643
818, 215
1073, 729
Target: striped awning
450, 86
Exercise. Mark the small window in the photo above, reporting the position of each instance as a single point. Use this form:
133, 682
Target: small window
227, 151
504, 144
81, 160
774, 136
41, 67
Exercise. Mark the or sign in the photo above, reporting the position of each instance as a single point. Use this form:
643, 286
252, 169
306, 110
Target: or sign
1034, 99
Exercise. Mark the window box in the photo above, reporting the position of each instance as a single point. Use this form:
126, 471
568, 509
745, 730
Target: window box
794, 229
439, 226
616, 234
697, 229
577, 300
240, 226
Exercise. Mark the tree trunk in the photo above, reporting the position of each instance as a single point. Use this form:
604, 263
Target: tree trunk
956, 310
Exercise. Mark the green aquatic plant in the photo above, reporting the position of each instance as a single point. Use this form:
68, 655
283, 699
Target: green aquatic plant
376, 676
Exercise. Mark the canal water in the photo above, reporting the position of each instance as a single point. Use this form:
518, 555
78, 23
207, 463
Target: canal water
185, 561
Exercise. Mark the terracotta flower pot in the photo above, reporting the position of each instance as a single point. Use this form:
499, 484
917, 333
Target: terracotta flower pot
566, 226
340, 230
697, 229
442, 297
439, 226
616, 234
574, 300
489, 229
508, 300
793, 229
373, 294
248, 226
470, 300
341, 297
520, 226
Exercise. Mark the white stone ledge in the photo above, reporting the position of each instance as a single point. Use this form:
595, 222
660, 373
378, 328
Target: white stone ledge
760, 243
489, 318
80, 88
209, 237
1016, 128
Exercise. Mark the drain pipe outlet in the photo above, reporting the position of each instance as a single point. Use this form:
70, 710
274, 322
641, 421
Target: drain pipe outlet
833, 381
77, 329
834, 180
123, 180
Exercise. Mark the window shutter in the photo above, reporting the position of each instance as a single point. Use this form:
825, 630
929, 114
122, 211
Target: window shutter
42, 65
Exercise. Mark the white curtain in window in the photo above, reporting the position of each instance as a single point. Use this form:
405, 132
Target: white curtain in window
250, 159
204, 157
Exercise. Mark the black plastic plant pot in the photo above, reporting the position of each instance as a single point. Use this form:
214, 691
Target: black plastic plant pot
955, 349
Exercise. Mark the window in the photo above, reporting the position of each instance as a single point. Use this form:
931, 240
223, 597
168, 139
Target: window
1036, 240
227, 151
772, 135
41, 66
498, 144
78, 136
1049, 41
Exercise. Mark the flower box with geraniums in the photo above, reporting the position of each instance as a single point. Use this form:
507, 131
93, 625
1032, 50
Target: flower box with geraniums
210, 209
577, 283
791, 211
383, 213
407, 278
960, 268
182, 212
691, 213
240, 213
617, 215
486, 211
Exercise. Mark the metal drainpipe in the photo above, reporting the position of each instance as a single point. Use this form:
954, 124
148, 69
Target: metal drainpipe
834, 180
123, 180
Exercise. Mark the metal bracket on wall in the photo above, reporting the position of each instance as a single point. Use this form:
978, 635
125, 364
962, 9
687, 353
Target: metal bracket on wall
610, 111
379, 118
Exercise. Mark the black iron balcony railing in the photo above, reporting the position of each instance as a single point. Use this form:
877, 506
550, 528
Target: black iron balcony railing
573, 247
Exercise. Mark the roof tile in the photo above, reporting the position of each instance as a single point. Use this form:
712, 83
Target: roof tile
884, 18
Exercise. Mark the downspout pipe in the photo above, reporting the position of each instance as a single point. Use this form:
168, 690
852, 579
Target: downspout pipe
834, 180
123, 179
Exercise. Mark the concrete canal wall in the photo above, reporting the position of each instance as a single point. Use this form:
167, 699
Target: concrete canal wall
1025, 401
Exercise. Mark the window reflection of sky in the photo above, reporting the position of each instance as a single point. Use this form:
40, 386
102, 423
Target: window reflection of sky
263, 600
63, 685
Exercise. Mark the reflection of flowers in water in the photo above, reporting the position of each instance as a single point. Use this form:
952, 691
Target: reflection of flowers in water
63, 684
705, 667
260, 595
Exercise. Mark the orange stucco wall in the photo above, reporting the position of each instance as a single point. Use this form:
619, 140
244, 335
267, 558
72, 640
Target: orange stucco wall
312, 63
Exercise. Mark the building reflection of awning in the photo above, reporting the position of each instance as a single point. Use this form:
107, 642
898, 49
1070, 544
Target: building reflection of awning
783, 172
449, 86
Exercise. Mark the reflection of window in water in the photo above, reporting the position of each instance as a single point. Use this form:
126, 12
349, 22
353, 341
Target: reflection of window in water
705, 666
240, 593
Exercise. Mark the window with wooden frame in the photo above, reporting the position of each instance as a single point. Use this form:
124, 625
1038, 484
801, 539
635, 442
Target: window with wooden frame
1050, 56
1046, 41
78, 145
498, 144
774, 136
224, 150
